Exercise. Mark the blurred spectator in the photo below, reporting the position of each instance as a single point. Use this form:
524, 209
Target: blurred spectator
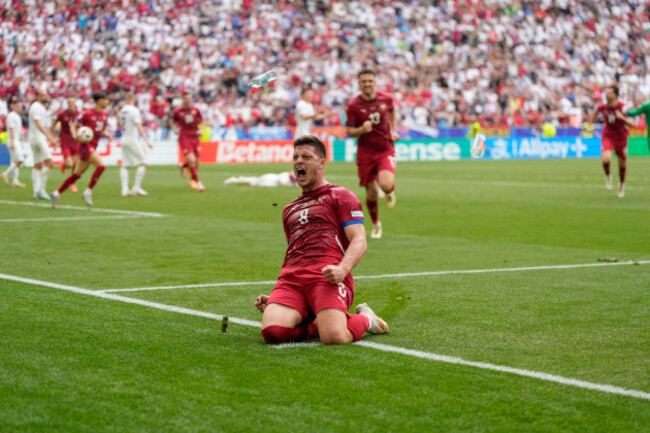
507, 62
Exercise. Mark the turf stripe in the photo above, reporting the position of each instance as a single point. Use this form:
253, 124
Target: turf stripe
405, 275
610, 389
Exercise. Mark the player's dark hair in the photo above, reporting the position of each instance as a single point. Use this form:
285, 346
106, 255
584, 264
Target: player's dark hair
366, 71
13, 100
312, 140
187, 92
614, 87
99, 95
305, 90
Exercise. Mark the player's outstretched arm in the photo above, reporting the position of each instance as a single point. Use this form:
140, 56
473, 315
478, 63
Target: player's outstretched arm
356, 234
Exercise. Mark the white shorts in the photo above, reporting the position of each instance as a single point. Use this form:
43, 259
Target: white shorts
41, 152
132, 154
17, 154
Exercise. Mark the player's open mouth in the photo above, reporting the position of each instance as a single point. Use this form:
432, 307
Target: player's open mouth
301, 171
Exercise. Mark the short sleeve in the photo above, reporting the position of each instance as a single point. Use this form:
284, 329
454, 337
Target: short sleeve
348, 208
351, 115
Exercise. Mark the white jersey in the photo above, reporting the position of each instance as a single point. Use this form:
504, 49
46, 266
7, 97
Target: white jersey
15, 122
37, 112
129, 117
303, 126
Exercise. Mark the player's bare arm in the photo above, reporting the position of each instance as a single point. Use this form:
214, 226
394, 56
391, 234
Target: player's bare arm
356, 234
11, 138
394, 135
50, 137
356, 132
143, 133
621, 116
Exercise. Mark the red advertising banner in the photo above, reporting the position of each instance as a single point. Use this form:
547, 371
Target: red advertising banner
248, 152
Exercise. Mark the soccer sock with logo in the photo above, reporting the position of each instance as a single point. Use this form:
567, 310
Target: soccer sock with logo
36, 180
139, 175
606, 168
195, 174
69, 181
373, 210
98, 172
358, 324
45, 172
124, 178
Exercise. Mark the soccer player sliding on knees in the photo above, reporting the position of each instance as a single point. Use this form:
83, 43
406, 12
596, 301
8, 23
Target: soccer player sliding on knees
326, 240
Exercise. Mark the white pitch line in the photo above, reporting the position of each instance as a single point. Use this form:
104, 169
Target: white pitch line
94, 209
610, 389
108, 217
404, 275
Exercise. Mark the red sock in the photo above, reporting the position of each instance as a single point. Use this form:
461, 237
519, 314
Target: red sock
621, 172
281, 334
312, 331
358, 324
195, 174
372, 208
98, 172
69, 181
606, 167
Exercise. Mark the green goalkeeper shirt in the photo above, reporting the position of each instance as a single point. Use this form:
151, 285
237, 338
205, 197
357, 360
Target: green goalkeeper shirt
643, 109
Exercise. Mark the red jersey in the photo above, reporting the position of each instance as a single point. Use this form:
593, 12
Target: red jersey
188, 119
378, 111
96, 121
614, 128
66, 118
314, 224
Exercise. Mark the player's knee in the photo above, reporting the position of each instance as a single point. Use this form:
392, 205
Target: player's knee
335, 337
275, 334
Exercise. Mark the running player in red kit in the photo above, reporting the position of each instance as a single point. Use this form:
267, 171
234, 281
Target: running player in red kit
371, 119
70, 148
614, 136
94, 118
315, 289
188, 118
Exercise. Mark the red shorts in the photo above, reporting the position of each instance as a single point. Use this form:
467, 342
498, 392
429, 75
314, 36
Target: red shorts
86, 151
307, 291
369, 167
189, 145
70, 148
614, 144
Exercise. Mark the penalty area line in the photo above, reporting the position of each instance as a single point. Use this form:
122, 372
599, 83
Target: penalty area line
404, 275
107, 217
94, 209
609, 389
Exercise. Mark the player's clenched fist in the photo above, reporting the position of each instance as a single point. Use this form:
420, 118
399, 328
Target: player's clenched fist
366, 126
334, 274
261, 301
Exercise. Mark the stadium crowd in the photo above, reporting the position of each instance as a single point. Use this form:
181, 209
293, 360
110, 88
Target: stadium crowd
447, 63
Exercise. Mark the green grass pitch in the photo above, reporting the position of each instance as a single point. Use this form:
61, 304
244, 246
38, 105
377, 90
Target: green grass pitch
71, 362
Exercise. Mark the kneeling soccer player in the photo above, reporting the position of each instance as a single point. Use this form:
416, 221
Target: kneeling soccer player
326, 237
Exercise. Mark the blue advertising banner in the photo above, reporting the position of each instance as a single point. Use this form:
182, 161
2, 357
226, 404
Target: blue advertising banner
542, 148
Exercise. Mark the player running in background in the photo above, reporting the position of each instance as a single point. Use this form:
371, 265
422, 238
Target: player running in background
70, 148
306, 114
371, 119
187, 119
643, 109
132, 152
614, 136
14, 130
39, 135
95, 118
326, 240
285, 178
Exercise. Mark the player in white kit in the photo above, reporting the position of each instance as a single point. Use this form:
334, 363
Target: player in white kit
39, 135
306, 114
270, 179
14, 129
132, 152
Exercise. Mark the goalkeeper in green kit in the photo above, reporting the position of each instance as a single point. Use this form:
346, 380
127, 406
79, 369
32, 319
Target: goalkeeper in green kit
643, 109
